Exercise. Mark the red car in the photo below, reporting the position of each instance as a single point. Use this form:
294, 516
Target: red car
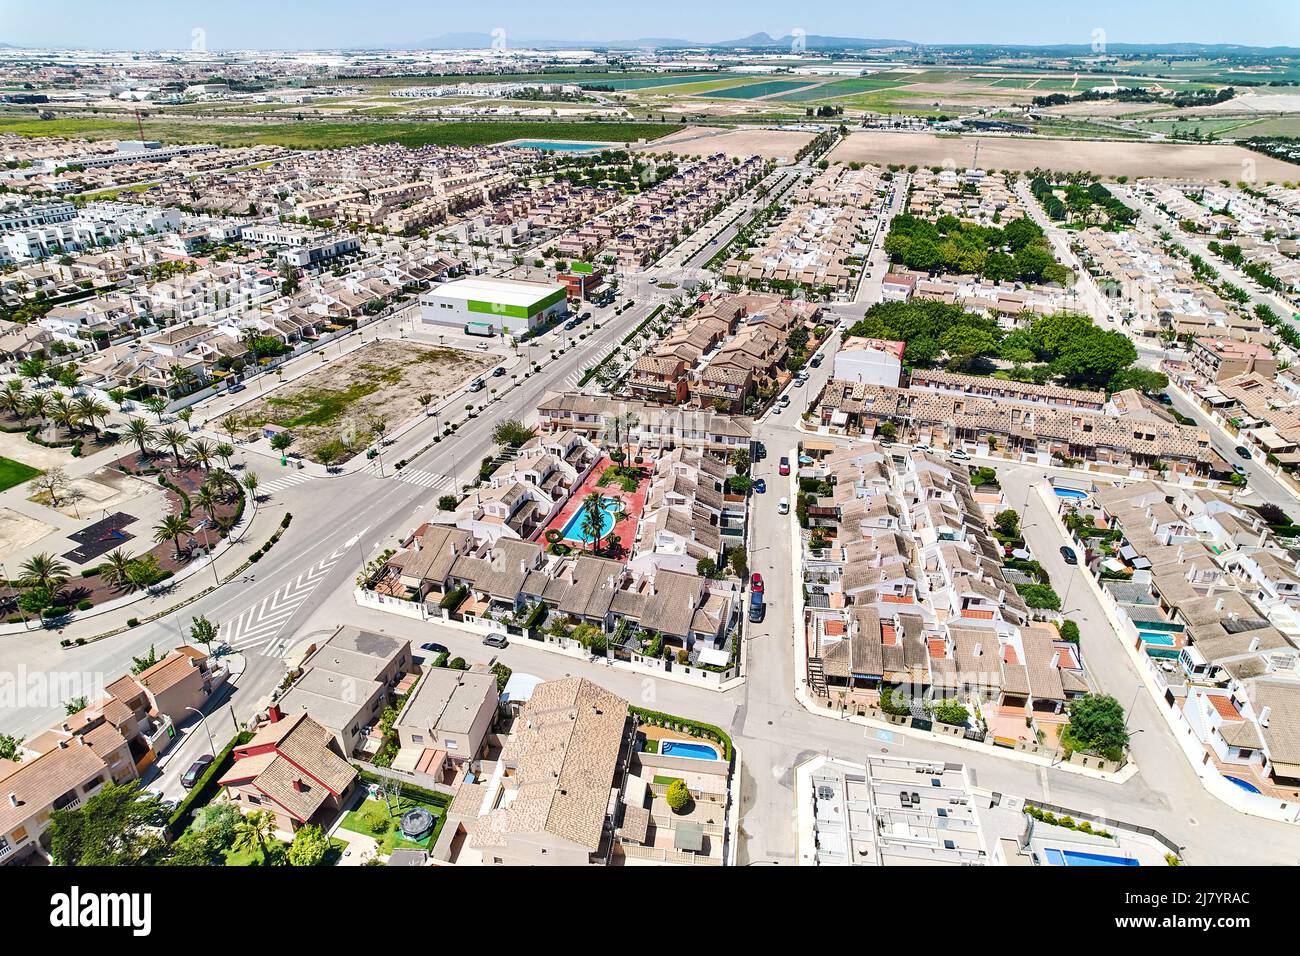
784, 467
756, 583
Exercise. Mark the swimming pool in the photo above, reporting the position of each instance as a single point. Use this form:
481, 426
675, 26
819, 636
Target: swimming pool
1071, 494
554, 146
1057, 857
1244, 784
573, 528
679, 748
1163, 640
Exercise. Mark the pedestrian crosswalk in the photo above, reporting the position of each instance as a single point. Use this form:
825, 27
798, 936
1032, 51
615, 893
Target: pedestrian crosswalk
279, 484
425, 479
258, 629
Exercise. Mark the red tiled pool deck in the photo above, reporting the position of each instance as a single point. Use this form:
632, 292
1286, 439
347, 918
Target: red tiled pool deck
633, 503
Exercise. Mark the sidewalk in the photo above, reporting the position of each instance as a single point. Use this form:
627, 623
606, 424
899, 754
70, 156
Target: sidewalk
192, 582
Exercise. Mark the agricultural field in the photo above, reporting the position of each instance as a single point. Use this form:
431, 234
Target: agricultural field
704, 141
337, 404
838, 88
310, 134
1104, 158
753, 91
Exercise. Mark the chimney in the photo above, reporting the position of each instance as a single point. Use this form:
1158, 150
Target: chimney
63, 745
274, 713
298, 784
1254, 645
1218, 605
523, 566
979, 649
1264, 715
66, 728
13, 799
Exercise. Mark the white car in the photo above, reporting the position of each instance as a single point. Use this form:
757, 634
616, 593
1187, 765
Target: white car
960, 455
783, 506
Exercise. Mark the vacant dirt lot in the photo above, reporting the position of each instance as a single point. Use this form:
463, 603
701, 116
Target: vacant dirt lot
383, 380
704, 141
1103, 158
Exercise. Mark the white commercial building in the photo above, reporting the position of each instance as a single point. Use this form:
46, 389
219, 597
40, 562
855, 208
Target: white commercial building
487, 306
869, 361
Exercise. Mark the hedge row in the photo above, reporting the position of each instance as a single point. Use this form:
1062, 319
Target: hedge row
207, 786
693, 727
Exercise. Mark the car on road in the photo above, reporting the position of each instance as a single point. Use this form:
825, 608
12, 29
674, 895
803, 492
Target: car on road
498, 371
434, 648
571, 324
756, 583
1240, 469
756, 607
476, 385
237, 387
959, 455
784, 401
584, 317
816, 361
496, 640
760, 451
197, 769
798, 382
783, 506
1068, 555
783, 466
1243, 451
760, 487
153, 793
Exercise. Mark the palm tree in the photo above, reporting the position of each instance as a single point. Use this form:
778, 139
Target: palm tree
91, 410
116, 569
175, 439
254, 831
38, 406
156, 405
43, 571
225, 451
206, 498
185, 414
250, 483
64, 414
593, 517
222, 482
203, 451
231, 425
142, 433
171, 529
12, 397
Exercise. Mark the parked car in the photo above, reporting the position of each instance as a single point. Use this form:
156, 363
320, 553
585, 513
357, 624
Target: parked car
476, 385
1069, 555
498, 371
816, 361
756, 607
784, 401
434, 648
1243, 452
783, 467
496, 640
1240, 469
760, 487
756, 583
783, 506
197, 769
959, 455
237, 387
760, 451
584, 317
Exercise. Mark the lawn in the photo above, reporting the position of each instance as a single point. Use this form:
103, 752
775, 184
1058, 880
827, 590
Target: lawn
311, 134
15, 473
390, 838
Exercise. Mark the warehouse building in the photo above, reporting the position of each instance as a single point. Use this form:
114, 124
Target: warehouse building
487, 306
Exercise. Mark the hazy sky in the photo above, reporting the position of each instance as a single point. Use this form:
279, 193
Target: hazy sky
294, 24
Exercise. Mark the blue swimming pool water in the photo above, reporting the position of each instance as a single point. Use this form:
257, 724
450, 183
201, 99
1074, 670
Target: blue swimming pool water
553, 146
676, 748
1071, 493
573, 528
1164, 640
1244, 784
1079, 858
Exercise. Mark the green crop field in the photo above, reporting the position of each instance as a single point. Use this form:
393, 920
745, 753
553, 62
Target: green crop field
755, 90
645, 82
309, 134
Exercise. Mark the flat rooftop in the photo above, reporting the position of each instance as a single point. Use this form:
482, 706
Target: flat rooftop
504, 291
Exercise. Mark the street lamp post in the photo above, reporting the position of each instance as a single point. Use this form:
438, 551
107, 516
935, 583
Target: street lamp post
203, 719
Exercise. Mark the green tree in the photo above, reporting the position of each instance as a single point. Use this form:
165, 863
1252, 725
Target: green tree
949, 711
1008, 522
142, 433
10, 748
114, 827
511, 433
76, 705
309, 847
203, 631
43, 571
281, 441
175, 439
139, 664
1097, 724
678, 797
593, 517
172, 528
255, 832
